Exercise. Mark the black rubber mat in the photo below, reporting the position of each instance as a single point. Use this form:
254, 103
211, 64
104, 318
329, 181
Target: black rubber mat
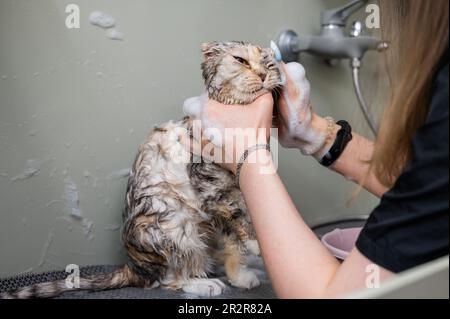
264, 291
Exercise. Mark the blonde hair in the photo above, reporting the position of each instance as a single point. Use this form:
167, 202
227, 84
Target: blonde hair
418, 33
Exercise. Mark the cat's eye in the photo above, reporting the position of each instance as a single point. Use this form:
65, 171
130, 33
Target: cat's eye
241, 60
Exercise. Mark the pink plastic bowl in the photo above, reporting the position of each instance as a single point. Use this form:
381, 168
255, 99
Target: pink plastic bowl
341, 241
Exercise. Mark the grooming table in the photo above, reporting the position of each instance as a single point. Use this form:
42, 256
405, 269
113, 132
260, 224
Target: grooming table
264, 291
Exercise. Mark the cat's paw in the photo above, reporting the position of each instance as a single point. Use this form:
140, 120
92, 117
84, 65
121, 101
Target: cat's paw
245, 279
204, 287
253, 247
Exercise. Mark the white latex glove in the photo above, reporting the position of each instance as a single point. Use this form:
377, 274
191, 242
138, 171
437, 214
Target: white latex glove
295, 115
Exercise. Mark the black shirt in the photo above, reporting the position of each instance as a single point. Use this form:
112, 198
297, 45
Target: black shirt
410, 226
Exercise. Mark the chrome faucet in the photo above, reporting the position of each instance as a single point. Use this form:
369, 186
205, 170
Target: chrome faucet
334, 44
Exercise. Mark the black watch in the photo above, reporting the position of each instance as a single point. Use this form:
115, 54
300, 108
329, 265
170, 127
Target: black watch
343, 137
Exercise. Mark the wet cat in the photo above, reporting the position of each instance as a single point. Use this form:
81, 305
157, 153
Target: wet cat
182, 219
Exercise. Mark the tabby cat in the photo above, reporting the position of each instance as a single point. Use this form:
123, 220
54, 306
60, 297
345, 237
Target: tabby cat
183, 220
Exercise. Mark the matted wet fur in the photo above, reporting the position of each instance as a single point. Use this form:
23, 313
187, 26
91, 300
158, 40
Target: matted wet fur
182, 221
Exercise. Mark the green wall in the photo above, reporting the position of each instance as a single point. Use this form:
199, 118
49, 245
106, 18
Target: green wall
74, 105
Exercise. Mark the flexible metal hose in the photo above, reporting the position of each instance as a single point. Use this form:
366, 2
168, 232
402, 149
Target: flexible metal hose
355, 66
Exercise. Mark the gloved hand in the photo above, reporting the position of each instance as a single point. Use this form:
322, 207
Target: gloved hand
297, 125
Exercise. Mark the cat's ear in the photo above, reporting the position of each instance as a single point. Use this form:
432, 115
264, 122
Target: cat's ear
210, 48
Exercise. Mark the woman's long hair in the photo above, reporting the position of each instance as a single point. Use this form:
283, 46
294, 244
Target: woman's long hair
417, 31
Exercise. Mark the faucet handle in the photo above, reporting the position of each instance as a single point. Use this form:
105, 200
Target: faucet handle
338, 16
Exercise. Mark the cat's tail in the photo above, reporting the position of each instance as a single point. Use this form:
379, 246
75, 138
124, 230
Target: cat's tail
119, 278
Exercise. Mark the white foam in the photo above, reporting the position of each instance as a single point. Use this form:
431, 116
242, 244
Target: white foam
313, 140
102, 19
193, 106
72, 199
123, 173
114, 34
53, 202
87, 228
46, 247
32, 167
112, 227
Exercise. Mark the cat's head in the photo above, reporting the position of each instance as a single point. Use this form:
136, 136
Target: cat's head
238, 72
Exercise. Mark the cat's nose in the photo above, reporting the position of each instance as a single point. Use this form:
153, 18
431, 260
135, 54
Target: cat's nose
262, 76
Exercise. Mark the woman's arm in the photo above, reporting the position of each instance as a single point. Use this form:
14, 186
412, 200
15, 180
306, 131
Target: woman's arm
353, 163
298, 264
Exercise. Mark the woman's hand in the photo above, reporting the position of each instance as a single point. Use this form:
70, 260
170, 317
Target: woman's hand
228, 130
298, 126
